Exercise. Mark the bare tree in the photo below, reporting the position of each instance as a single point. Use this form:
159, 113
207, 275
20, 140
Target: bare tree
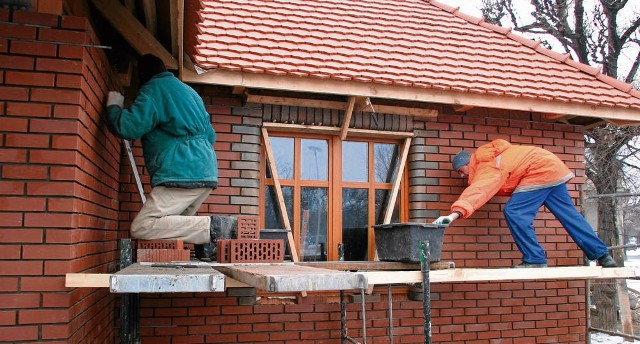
596, 35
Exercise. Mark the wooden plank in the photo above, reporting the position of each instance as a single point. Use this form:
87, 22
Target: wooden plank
347, 118
276, 181
503, 274
149, 8
396, 182
86, 280
362, 265
323, 130
133, 31
293, 278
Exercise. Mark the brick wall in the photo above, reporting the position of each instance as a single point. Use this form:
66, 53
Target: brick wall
58, 180
64, 185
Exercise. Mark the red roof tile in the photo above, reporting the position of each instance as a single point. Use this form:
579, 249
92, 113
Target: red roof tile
412, 43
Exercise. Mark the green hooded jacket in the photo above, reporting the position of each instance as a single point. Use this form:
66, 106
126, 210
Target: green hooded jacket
175, 128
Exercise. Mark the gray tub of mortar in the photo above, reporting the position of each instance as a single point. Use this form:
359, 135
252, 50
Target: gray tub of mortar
400, 242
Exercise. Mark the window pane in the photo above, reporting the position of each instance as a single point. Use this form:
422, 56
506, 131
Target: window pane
382, 199
315, 159
355, 223
355, 161
386, 164
272, 217
283, 155
313, 226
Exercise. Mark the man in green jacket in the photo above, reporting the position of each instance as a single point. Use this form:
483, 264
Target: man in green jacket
171, 120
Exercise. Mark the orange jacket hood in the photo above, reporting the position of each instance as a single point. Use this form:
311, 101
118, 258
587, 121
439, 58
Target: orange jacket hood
501, 168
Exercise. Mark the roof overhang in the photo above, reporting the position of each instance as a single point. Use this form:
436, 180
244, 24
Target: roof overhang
552, 110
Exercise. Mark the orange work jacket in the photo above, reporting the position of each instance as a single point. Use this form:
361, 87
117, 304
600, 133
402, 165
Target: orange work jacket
501, 168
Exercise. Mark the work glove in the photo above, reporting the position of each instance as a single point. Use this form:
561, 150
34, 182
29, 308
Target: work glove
445, 220
115, 98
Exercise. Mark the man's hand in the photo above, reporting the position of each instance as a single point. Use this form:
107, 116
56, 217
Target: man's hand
445, 220
115, 98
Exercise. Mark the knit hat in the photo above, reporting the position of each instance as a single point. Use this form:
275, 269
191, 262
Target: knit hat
148, 66
461, 159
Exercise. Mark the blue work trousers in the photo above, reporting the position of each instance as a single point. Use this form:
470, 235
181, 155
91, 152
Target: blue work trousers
522, 209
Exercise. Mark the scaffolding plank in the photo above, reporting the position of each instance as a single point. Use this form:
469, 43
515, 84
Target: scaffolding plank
506, 274
288, 277
166, 278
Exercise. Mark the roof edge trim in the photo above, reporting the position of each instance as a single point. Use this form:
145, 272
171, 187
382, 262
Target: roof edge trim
353, 88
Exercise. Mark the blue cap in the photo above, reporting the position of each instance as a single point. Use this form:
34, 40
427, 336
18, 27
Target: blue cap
461, 159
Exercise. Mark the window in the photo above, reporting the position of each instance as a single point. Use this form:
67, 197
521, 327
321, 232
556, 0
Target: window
333, 191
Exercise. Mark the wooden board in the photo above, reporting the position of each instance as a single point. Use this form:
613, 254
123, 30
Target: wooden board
506, 274
287, 277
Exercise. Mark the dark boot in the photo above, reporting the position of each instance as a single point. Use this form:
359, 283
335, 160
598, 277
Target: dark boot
607, 261
207, 252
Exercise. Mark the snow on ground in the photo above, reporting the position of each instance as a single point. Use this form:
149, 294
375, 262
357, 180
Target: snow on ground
633, 260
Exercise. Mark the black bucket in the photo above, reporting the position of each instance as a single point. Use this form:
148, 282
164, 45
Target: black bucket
400, 242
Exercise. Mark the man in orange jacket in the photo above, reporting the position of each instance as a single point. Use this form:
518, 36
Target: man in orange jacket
533, 177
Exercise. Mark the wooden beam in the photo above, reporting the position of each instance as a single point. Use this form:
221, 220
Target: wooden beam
86, 280
239, 90
417, 94
317, 129
336, 105
462, 108
149, 8
503, 274
396, 182
133, 31
347, 117
284, 217
289, 277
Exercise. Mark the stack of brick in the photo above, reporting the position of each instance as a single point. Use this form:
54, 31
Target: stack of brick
248, 248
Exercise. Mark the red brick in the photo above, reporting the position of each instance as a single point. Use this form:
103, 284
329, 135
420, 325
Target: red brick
22, 203
59, 65
71, 52
53, 157
27, 141
14, 93
28, 109
67, 111
63, 36
56, 96
48, 220
10, 219
17, 62
19, 300
21, 235
12, 155
22, 268
69, 80
43, 316
78, 23
56, 331
4, 14
7, 318
17, 31
8, 284
33, 48
48, 251
10, 252
29, 78
18, 333
50, 7
35, 18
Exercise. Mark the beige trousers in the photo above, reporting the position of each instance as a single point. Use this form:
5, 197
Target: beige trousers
168, 214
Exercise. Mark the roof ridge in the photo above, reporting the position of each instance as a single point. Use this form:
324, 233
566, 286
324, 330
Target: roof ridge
563, 58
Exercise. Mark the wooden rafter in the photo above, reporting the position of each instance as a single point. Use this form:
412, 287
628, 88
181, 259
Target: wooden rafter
462, 108
347, 117
396, 182
276, 181
337, 105
140, 39
149, 7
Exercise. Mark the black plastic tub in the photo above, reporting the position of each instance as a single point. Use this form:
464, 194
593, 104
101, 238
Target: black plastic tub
277, 234
400, 242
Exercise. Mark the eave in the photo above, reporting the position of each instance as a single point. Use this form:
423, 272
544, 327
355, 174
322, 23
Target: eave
553, 110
